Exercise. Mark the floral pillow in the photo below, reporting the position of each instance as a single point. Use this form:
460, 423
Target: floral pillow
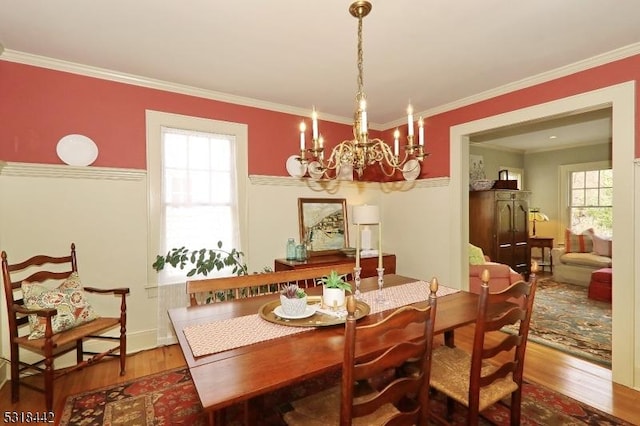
577, 243
68, 299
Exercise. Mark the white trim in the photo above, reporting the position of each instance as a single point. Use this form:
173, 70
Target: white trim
73, 172
60, 65
154, 121
625, 329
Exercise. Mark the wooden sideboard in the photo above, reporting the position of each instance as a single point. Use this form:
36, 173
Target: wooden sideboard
368, 264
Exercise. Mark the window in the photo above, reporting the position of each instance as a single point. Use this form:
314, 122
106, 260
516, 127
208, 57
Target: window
196, 174
591, 201
587, 197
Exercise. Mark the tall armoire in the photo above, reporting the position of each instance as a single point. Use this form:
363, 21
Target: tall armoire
499, 224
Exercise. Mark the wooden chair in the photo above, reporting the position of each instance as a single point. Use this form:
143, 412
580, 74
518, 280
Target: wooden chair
38, 269
478, 380
235, 287
400, 400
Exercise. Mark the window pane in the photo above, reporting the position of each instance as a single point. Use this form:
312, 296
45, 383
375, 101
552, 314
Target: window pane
220, 154
606, 197
199, 152
199, 189
175, 150
592, 178
591, 201
577, 180
591, 197
606, 178
577, 197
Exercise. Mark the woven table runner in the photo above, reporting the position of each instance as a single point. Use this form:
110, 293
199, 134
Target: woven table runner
220, 336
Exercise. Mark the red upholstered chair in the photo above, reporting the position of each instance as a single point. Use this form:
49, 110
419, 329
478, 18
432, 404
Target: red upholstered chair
502, 276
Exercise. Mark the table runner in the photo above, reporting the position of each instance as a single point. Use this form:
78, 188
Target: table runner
220, 336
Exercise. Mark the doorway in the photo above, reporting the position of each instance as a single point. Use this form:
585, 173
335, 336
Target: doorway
621, 98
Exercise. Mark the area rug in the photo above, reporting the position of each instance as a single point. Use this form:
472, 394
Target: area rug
169, 398
565, 319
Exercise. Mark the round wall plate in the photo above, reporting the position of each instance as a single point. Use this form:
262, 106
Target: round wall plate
295, 167
411, 169
77, 150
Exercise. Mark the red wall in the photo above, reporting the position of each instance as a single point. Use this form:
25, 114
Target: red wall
39, 106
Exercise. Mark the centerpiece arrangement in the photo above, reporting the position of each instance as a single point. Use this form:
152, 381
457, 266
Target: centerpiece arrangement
334, 287
293, 300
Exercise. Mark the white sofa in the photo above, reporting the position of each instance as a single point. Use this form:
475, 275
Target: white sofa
576, 268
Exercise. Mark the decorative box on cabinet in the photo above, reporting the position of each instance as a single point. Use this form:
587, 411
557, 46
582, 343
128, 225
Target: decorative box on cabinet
499, 224
368, 264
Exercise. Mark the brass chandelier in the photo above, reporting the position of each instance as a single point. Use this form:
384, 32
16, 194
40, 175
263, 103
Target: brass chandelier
362, 151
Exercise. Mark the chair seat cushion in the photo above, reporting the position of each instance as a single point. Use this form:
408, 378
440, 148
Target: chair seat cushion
450, 375
323, 409
68, 298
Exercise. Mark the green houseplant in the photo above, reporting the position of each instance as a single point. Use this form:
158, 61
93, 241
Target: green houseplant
203, 261
293, 300
333, 290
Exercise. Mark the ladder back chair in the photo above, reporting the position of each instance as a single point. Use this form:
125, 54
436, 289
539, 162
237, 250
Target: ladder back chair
479, 379
51, 322
364, 398
236, 287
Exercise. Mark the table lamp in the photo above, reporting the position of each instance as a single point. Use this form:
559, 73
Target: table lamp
364, 215
535, 215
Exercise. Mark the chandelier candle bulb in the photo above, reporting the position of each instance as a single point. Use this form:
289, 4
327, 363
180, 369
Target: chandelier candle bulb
303, 127
396, 143
363, 116
410, 119
421, 131
314, 124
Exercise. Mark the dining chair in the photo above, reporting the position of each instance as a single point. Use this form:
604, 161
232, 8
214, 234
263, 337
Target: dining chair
213, 290
49, 322
481, 378
361, 397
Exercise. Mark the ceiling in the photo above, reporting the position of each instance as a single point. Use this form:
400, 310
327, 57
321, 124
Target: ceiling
301, 54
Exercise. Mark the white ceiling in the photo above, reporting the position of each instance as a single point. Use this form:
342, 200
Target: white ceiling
303, 53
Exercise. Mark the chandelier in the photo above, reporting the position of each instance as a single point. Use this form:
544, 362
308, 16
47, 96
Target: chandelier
361, 151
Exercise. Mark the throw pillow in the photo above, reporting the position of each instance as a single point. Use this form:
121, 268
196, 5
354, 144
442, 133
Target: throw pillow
601, 246
476, 256
577, 243
68, 299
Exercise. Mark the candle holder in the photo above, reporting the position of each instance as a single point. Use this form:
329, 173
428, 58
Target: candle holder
380, 298
356, 279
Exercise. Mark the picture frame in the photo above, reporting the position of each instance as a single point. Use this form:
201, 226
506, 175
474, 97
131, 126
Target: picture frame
323, 225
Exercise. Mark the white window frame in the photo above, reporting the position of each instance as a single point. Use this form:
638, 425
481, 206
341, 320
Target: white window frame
155, 120
564, 193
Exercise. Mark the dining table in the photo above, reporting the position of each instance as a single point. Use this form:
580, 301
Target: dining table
242, 373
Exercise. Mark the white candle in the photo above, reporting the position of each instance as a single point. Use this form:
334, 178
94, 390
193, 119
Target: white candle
396, 142
303, 127
314, 123
363, 116
358, 246
410, 119
421, 131
380, 245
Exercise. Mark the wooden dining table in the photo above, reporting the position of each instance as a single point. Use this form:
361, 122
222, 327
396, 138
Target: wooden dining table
244, 373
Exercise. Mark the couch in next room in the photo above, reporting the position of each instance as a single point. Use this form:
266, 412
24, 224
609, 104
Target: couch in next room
579, 257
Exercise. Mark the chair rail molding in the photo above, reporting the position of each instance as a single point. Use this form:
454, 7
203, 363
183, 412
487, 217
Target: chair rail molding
17, 169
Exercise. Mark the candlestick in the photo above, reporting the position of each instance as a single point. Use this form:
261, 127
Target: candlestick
358, 246
421, 131
303, 127
380, 245
410, 119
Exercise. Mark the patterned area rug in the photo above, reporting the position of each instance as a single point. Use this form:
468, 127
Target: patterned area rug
170, 398
565, 319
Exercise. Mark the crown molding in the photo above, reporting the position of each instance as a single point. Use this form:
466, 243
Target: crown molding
111, 75
605, 58
74, 172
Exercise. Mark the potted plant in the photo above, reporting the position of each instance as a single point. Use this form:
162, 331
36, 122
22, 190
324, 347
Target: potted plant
293, 300
203, 261
333, 289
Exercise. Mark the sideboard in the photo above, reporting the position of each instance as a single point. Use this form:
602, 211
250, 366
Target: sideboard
368, 264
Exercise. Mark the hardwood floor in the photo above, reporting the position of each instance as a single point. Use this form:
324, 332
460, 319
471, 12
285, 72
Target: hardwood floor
570, 376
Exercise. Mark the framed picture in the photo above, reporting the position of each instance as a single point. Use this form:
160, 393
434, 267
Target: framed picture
323, 224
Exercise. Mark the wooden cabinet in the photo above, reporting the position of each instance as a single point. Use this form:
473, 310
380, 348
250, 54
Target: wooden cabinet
368, 264
499, 224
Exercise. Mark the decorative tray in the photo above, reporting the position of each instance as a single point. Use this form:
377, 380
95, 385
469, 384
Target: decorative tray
317, 319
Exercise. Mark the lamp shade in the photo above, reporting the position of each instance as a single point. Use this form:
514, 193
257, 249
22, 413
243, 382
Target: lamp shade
538, 216
366, 214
